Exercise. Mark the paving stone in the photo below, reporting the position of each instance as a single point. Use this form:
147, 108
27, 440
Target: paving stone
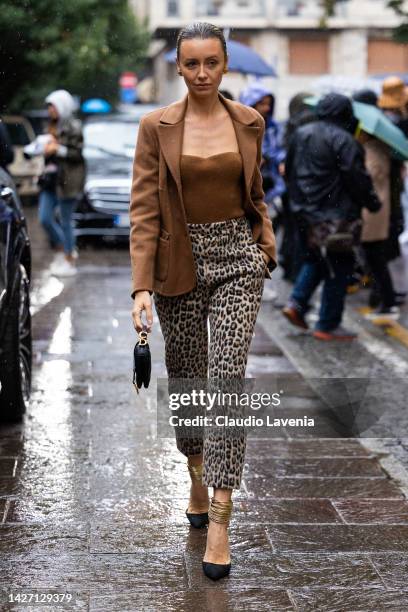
3, 509
393, 569
170, 509
48, 509
321, 448
275, 570
40, 538
162, 571
356, 600
322, 487
261, 365
286, 511
205, 600
121, 536
261, 344
372, 511
32, 570
315, 467
339, 538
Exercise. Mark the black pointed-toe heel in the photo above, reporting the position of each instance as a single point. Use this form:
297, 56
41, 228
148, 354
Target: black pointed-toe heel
219, 512
198, 521
216, 571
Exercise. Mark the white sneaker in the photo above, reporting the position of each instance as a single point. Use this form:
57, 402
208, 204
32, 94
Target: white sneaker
74, 253
58, 261
64, 268
392, 312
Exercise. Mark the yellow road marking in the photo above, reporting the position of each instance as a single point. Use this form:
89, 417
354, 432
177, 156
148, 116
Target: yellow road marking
391, 327
365, 310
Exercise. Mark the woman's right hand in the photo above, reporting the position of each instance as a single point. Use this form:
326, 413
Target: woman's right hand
142, 301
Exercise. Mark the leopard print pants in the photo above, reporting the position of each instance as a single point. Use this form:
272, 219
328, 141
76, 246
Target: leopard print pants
230, 277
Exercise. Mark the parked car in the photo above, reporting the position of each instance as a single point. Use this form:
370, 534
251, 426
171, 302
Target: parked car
25, 172
15, 319
39, 119
109, 146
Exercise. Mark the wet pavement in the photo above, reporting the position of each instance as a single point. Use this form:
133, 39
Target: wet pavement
92, 503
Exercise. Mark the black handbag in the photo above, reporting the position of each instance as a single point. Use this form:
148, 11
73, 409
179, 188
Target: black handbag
142, 362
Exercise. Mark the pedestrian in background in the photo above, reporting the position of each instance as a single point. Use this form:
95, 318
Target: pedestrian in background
290, 249
393, 101
329, 186
62, 180
202, 242
273, 154
376, 225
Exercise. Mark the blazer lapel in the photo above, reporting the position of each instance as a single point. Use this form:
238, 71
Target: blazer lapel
171, 128
247, 141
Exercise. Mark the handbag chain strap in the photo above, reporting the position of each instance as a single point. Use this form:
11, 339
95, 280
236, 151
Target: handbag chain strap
142, 338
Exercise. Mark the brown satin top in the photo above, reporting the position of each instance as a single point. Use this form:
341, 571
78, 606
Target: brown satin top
212, 187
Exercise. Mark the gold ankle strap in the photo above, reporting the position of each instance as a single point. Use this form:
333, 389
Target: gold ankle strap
196, 472
220, 512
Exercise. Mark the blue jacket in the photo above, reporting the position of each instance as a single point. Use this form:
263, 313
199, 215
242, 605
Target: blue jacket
272, 149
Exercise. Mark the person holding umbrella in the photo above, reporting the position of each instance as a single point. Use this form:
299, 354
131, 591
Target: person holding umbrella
376, 225
393, 101
201, 242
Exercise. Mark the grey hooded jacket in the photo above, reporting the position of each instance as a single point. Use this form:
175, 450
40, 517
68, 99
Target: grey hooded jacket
71, 165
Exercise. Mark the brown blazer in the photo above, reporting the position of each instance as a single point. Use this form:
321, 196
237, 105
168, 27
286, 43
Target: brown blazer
160, 246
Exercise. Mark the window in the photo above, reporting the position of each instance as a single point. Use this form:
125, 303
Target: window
230, 8
386, 56
308, 56
172, 8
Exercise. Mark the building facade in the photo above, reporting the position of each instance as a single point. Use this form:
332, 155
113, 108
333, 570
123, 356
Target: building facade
351, 47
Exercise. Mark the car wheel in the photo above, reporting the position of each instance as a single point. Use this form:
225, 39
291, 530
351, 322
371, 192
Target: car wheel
16, 354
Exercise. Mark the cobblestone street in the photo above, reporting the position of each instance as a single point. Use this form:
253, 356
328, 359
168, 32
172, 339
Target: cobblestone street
92, 503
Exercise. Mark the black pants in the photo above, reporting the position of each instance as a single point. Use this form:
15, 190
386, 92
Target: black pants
376, 256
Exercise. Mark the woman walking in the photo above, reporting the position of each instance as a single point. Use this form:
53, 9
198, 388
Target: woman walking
202, 243
62, 180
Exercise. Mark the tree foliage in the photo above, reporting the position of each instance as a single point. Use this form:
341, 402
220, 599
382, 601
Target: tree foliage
328, 10
401, 32
79, 45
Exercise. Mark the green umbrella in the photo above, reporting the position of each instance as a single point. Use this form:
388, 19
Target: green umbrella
373, 121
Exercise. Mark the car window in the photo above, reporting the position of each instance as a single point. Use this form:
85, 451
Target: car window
110, 139
18, 134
